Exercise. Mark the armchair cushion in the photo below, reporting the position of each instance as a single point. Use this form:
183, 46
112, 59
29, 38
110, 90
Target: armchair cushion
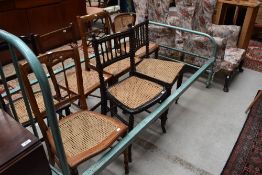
232, 59
230, 32
202, 46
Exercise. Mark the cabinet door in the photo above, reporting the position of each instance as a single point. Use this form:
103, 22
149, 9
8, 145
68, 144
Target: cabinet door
44, 19
14, 21
73, 8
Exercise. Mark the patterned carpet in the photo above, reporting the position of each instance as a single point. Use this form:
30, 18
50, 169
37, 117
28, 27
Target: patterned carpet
253, 58
246, 157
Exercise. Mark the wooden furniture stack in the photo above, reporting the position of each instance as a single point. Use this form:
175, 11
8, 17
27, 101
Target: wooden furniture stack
251, 7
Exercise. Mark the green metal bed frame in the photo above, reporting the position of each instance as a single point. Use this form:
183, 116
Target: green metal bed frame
42, 79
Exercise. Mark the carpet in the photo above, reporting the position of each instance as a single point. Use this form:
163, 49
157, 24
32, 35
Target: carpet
246, 157
253, 58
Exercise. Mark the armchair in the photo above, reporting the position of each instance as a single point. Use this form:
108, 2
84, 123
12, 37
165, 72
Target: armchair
229, 58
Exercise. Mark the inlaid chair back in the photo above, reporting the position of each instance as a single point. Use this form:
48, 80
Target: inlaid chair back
122, 20
98, 24
55, 39
55, 65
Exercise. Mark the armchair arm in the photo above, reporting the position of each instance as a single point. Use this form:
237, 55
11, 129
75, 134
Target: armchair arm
230, 32
201, 45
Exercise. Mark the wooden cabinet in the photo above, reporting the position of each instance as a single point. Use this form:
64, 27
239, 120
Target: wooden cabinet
22, 17
21, 152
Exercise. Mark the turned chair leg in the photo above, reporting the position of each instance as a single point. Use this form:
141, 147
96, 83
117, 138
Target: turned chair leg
130, 127
126, 161
163, 121
179, 82
74, 171
240, 67
227, 79
163, 117
67, 111
156, 53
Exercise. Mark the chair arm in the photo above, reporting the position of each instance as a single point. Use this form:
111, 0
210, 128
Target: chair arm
230, 32
202, 46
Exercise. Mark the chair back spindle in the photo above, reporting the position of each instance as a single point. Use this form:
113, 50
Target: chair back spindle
98, 24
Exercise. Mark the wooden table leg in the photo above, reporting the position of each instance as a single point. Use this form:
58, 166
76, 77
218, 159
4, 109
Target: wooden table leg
218, 11
247, 27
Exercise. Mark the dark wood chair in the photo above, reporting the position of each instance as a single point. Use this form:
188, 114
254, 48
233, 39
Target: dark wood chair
61, 39
134, 94
165, 71
121, 22
84, 133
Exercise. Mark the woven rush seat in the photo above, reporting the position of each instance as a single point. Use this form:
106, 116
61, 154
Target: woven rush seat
85, 134
135, 92
21, 108
118, 67
165, 71
90, 81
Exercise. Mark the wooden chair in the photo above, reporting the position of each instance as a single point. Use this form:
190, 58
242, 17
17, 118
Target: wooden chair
84, 133
65, 37
165, 71
121, 22
100, 25
19, 110
134, 94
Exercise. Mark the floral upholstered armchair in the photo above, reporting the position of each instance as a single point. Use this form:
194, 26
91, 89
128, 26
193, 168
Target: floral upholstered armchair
197, 15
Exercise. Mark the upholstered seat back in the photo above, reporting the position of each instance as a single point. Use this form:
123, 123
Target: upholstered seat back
202, 18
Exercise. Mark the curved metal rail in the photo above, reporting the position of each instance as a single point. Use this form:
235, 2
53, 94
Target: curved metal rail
108, 157
112, 154
16, 43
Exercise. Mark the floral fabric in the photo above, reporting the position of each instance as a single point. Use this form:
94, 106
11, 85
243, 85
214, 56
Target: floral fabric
232, 59
203, 15
164, 36
230, 32
202, 46
141, 8
181, 17
158, 10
